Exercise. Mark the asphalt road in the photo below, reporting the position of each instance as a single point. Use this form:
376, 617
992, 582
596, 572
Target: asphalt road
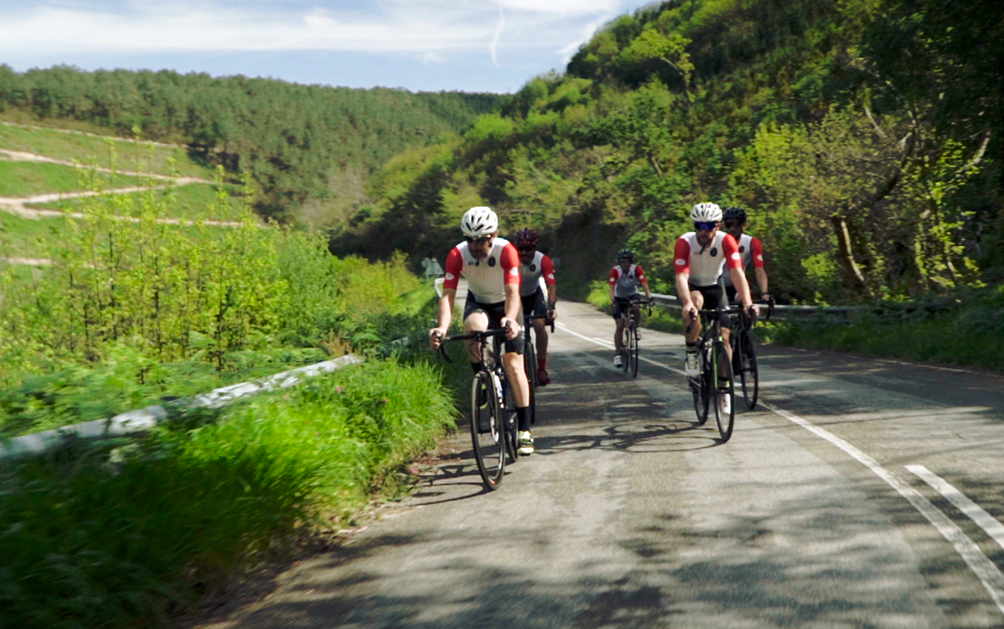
865, 493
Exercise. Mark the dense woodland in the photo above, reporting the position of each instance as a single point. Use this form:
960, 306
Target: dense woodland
309, 148
864, 137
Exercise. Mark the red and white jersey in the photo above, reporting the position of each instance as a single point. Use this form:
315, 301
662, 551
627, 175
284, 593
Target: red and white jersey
705, 264
626, 282
750, 248
486, 279
539, 266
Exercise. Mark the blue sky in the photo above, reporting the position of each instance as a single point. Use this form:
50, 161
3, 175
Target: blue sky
470, 45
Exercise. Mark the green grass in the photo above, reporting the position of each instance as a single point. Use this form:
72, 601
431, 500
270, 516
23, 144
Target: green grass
970, 334
190, 201
87, 149
35, 238
22, 179
132, 536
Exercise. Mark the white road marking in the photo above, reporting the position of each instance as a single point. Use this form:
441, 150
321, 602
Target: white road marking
984, 569
985, 521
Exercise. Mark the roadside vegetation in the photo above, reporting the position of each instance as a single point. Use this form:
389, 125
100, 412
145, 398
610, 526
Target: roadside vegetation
130, 313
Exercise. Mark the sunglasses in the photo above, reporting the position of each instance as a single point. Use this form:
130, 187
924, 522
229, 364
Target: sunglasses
478, 241
704, 227
731, 224
526, 249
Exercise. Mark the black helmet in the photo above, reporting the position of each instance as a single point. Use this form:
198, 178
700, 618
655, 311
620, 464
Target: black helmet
734, 212
525, 238
625, 253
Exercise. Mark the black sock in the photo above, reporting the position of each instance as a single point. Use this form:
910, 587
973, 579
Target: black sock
523, 413
691, 347
476, 367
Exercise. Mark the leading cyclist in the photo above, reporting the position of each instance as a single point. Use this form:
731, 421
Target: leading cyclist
624, 280
536, 267
700, 258
491, 266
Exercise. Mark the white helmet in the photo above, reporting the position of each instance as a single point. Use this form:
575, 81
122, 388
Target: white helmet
706, 213
479, 221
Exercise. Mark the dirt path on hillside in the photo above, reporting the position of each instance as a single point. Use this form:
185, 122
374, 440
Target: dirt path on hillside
18, 156
92, 135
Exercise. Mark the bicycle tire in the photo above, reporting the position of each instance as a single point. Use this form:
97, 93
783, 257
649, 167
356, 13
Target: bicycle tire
699, 387
487, 436
726, 421
750, 374
634, 352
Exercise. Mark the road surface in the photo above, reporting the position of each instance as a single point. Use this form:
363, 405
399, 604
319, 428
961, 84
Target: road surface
865, 493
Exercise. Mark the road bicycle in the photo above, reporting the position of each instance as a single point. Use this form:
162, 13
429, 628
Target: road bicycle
530, 358
493, 407
711, 386
629, 338
744, 360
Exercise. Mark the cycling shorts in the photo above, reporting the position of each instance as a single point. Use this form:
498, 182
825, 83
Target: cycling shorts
623, 304
495, 313
534, 305
730, 293
714, 297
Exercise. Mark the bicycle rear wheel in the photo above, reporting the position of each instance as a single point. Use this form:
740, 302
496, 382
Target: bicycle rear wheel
487, 431
725, 417
749, 374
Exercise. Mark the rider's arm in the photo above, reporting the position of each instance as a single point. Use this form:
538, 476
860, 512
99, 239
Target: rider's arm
446, 309
547, 269
756, 251
734, 263
681, 262
613, 283
509, 261
644, 280
454, 266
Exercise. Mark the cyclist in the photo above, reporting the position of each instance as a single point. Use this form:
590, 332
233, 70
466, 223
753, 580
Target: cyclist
750, 248
624, 280
535, 268
700, 258
491, 266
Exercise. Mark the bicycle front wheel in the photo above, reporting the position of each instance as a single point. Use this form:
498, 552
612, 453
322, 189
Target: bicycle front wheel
487, 431
724, 394
749, 374
700, 387
633, 353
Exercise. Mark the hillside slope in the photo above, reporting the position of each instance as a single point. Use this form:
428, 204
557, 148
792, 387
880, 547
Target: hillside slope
862, 181
305, 145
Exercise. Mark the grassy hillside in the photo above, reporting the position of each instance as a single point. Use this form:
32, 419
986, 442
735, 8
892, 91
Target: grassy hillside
87, 149
308, 146
862, 184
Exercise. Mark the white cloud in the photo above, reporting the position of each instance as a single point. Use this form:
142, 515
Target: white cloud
587, 34
430, 29
498, 33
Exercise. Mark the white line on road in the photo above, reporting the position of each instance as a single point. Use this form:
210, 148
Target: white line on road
986, 521
984, 569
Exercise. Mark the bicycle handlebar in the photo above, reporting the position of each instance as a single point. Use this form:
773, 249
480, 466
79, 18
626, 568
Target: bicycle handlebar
475, 335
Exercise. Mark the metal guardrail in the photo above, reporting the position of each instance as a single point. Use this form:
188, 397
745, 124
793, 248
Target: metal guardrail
836, 314
781, 312
141, 420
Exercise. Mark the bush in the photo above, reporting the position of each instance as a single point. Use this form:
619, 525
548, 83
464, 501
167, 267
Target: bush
130, 535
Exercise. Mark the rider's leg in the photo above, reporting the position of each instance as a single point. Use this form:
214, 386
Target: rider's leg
726, 336
539, 328
695, 330
513, 363
636, 310
618, 336
476, 321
